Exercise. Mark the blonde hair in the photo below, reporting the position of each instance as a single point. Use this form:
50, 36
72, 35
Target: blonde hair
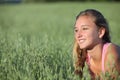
79, 57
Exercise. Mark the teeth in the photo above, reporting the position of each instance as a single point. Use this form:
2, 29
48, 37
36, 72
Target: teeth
81, 41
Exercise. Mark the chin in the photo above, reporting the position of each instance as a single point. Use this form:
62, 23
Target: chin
82, 47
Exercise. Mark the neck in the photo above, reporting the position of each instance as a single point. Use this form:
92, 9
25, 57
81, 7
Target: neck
96, 53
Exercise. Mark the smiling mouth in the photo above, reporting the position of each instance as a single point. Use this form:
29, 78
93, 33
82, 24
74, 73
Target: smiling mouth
81, 41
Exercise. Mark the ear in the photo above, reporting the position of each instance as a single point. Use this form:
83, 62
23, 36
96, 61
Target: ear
101, 32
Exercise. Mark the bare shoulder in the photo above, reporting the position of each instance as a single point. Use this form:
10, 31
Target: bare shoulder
113, 57
114, 50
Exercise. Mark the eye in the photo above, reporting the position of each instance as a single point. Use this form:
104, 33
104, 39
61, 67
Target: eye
76, 30
85, 28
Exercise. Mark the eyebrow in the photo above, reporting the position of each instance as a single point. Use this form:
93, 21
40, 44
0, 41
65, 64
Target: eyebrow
81, 26
84, 25
75, 27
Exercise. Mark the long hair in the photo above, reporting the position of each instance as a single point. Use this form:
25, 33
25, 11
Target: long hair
79, 55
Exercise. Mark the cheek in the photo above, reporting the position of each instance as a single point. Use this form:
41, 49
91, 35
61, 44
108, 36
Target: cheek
75, 36
93, 35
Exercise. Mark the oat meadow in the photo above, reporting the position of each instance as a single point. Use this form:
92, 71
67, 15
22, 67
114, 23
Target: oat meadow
36, 40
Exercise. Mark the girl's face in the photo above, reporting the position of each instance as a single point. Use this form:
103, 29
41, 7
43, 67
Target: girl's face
86, 32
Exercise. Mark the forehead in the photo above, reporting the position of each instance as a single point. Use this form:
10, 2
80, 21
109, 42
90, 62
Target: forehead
85, 20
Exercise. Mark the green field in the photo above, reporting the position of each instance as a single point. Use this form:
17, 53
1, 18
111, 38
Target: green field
36, 40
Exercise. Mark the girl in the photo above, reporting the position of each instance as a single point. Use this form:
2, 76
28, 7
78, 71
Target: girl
93, 45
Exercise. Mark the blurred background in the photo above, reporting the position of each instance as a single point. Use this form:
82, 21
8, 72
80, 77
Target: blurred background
26, 1
36, 36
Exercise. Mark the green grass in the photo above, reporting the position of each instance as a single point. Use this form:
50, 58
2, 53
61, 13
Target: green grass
36, 39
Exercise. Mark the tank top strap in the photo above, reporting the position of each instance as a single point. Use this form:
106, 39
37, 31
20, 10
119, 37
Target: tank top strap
88, 59
105, 47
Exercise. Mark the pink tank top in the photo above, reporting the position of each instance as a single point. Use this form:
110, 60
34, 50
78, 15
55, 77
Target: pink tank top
105, 47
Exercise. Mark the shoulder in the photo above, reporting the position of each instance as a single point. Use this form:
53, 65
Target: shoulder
113, 56
113, 50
